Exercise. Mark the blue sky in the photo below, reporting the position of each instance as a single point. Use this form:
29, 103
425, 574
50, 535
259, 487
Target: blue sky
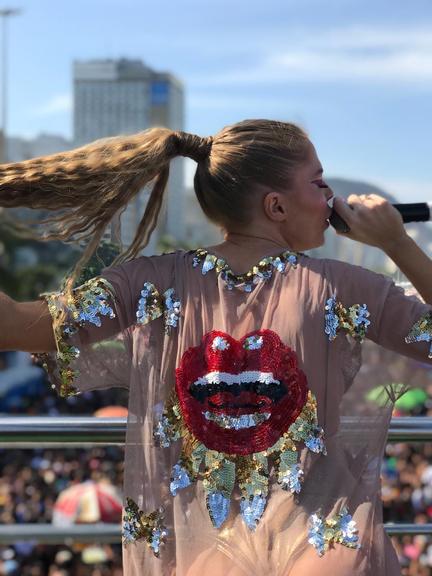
356, 74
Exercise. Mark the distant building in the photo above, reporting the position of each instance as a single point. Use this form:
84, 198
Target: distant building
42, 145
20, 149
113, 97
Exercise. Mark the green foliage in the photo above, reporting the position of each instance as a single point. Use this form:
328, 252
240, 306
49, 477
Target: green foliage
102, 258
33, 280
28, 267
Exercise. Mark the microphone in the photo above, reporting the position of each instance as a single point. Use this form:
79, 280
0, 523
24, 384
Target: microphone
411, 212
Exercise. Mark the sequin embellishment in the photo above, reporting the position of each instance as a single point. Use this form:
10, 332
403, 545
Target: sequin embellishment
253, 343
421, 331
240, 412
137, 525
87, 304
353, 319
220, 343
246, 282
152, 305
341, 529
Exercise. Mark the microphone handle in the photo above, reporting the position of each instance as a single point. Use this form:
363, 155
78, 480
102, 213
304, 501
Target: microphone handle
419, 212
414, 212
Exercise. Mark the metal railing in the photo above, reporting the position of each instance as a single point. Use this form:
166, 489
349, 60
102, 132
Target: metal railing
111, 533
84, 432
78, 431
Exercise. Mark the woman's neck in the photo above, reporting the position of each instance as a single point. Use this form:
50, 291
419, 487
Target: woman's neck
242, 251
252, 242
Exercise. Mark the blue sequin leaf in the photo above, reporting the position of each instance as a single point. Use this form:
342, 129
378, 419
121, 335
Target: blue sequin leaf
172, 309
252, 509
348, 527
291, 479
150, 305
179, 479
331, 319
157, 539
316, 534
209, 263
316, 444
165, 433
278, 264
218, 506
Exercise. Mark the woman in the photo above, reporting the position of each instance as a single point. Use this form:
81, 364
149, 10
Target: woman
251, 449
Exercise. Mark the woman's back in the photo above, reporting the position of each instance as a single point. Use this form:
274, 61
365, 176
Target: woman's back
244, 423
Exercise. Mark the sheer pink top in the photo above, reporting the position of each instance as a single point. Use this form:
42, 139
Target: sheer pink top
252, 448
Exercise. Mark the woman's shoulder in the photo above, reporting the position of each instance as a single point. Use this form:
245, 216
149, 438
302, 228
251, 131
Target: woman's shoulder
331, 266
158, 270
346, 278
165, 259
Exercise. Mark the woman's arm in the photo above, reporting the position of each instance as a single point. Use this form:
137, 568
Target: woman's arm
374, 221
25, 326
415, 264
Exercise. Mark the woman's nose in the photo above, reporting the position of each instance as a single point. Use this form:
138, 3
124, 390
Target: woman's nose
328, 193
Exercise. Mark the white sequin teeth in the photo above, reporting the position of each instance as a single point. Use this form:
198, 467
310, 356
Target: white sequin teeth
229, 379
237, 422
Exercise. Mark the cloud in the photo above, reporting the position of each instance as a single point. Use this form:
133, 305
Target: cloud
355, 55
56, 105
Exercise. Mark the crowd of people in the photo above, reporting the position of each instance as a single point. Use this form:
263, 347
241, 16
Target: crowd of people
30, 481
407, 497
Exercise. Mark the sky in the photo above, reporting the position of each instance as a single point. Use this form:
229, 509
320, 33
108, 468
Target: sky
357, 75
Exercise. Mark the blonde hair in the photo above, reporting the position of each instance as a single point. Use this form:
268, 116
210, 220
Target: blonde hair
89, 185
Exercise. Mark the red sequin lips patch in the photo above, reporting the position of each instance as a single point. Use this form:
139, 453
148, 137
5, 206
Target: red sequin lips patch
240, 396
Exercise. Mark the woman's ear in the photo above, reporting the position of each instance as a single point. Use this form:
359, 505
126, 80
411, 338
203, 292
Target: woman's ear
275, 208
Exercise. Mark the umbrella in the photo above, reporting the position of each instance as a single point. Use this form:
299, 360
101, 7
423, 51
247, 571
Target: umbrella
111, 412
94, 555
88, 502
411, 399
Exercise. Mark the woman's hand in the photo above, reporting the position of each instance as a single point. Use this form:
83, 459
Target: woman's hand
372, 220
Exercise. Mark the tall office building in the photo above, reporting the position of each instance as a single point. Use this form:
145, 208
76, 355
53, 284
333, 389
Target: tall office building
113, 97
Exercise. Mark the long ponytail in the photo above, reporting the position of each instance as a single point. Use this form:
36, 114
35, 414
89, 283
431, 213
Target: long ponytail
91, 184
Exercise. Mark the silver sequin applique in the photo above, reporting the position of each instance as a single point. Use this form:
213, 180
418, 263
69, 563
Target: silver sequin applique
261, 272
87, 304
150, 527
355, 319
421, 332
339, 529
152, 305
